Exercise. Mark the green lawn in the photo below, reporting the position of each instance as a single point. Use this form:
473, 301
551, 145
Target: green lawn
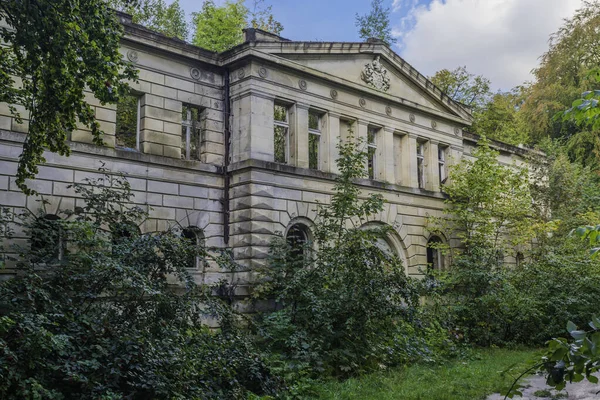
458, 380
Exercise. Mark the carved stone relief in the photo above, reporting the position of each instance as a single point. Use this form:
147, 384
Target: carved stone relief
376, 75
132, 55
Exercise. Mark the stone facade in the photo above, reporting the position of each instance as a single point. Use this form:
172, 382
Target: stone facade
232, 188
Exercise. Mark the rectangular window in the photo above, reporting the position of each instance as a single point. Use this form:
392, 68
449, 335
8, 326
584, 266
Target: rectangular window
281, 133
421, 164
190, 132
442, 164
371, 150
128, 122
314, 139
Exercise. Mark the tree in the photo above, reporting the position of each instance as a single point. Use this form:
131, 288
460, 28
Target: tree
99, 310
219, 28
262, 18
376, 24
54, 52
156, 15
501, 120
489, 203
563, 74
463, 86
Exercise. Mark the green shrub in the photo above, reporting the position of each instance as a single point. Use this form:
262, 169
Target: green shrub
100, 311
342, 303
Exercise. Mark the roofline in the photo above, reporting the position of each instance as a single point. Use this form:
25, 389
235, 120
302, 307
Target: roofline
363, 47
220, 59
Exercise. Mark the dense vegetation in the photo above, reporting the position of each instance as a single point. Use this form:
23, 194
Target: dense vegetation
99, 310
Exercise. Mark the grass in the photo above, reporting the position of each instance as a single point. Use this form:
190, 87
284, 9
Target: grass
457, 380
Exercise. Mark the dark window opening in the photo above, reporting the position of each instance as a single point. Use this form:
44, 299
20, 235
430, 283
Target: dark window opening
297, 237
48, 238
195, 237
435, 256
128, 122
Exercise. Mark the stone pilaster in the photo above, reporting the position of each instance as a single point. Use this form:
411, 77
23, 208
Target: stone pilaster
299, 135
330, 139
432, 173
385, 155
252, 128
408, 161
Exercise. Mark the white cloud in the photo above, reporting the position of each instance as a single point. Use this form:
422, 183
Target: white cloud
500, 39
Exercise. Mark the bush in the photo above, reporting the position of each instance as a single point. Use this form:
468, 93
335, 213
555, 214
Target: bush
100, 311
343, 304
489, 304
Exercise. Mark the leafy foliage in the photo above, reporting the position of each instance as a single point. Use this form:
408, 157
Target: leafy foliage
219, 28
500, 119
262, 17
575, 361
156, 15
116, 314
490, 204
376, 24
54, 52
463, 86
342, 303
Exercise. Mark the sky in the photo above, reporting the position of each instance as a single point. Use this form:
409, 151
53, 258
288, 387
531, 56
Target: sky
499, 39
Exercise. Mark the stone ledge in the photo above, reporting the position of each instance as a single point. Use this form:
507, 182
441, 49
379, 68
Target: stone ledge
16, 137
327, 176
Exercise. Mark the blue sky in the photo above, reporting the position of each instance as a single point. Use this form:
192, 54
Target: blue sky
500, 39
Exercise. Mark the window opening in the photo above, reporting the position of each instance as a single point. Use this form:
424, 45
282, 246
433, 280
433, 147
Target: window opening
371, 151
314, 140
128, 122
281, 133
190, 132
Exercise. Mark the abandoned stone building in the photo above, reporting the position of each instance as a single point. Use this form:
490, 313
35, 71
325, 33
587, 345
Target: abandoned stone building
238, 146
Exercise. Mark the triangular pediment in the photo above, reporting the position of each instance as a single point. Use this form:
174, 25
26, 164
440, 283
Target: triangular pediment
355, 65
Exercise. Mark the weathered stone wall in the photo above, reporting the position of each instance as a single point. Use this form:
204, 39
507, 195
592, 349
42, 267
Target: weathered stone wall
265, 198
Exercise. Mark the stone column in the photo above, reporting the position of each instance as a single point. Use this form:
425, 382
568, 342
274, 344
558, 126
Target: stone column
432, 173
329, 142
299, 135
385, 155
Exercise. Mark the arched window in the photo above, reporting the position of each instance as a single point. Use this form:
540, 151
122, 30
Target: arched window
435, 256
298, 235
390, 243
47, 237
195, 237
